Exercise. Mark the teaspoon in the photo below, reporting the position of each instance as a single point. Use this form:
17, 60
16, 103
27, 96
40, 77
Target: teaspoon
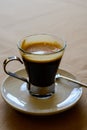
72, 80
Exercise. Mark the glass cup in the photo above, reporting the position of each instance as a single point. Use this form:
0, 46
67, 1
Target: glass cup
41, 55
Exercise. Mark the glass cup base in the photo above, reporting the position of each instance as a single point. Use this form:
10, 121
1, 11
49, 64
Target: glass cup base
42, 92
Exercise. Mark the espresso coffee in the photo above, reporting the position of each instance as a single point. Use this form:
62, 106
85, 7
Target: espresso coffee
41, 54
41, 60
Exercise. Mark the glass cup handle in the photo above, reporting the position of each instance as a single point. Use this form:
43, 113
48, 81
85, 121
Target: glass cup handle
9, 59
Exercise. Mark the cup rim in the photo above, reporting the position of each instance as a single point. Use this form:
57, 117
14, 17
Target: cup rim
18, 44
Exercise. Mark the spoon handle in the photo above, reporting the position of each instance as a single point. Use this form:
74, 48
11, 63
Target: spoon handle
72, 80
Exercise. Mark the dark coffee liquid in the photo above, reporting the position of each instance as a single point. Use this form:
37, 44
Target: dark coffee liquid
40, 65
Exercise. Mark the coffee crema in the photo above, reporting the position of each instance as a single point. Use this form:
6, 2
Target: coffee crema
41, 47
41, 51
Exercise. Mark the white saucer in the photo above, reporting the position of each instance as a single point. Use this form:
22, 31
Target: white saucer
15, 93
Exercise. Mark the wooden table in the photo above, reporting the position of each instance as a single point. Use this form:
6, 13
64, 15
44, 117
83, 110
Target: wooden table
64, 18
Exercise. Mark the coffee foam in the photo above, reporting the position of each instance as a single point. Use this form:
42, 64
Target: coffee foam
52, 51
43, 57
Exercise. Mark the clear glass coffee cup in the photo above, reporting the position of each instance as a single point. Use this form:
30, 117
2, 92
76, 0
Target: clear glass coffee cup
41, 55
